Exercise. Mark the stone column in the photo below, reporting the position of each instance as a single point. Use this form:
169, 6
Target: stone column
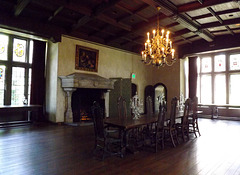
106, 99
68, 113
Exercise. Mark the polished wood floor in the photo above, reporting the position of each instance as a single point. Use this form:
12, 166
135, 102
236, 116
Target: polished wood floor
41, 149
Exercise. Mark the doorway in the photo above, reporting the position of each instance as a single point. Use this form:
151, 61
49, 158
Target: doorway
160, 93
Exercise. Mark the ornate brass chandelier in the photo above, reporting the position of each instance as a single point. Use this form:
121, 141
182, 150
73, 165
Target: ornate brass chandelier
158, 50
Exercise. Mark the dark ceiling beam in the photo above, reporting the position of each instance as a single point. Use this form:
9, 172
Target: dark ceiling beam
200, 1
100, 30
171, 25
137, 28
224, 12
215, 15
219, 19
134, 13
78, 8
134, 39
104, 6
196, 5
170, 10
31, 26
82, 21
187, 40
225, 30
225, 23
96, 14
181, 32
114, 22
20, 6
59, 9
230, 31
220, 42
49, 14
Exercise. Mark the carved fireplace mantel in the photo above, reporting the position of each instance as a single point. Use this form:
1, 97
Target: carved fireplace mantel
81, 80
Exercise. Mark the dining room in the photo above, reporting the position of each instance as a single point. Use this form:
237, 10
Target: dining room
119, 87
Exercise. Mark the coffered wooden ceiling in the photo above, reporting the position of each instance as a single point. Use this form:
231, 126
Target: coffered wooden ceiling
123, 23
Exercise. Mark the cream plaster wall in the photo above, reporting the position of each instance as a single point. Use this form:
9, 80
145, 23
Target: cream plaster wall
112, 63
170, 77
51, 79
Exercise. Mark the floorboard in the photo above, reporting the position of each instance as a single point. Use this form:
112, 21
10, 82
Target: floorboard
49, 149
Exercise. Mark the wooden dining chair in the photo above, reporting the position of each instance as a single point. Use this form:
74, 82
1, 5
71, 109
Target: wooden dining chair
122, 108
183, 127
105, 142
170, 129
193, 118
156, 135
159, 137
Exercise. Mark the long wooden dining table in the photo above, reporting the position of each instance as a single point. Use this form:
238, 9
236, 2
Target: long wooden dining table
128, 124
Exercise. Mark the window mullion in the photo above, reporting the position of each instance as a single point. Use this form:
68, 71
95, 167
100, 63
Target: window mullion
8, 85
227, 78
213, 79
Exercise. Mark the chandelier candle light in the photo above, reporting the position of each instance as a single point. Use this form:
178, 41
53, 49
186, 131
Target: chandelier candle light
158, 50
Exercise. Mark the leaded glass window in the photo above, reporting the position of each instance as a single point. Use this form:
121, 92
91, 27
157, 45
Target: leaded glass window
19, 50
235, 62
18, 77
219, 63
2, 83
220, 89
206, 87
206, 64
3, 47
234, 86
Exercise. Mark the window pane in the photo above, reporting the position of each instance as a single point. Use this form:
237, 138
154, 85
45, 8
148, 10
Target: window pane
198, 65
235, 62
19, 50
30, 51
234, 83
2, 83
206, 64
220, 89
3, 47
206, 89
29, 84
219, 63
198, 86
18, 79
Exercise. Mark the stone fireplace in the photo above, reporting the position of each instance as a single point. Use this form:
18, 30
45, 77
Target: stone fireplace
81, 90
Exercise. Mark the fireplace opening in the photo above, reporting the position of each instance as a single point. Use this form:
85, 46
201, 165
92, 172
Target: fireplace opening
82, 100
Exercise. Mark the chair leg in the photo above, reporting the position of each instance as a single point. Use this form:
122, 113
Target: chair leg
187, 129
172, 139
183, 134
163, 140
176, 135
197, 128
156, 143
194, 129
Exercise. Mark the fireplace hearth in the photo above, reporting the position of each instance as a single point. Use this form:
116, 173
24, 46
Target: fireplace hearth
82, 100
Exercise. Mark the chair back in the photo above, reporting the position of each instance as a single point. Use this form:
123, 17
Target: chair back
122, 107
97, 114
173, 111
149, 106
187, 106
194, 107
161, 115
